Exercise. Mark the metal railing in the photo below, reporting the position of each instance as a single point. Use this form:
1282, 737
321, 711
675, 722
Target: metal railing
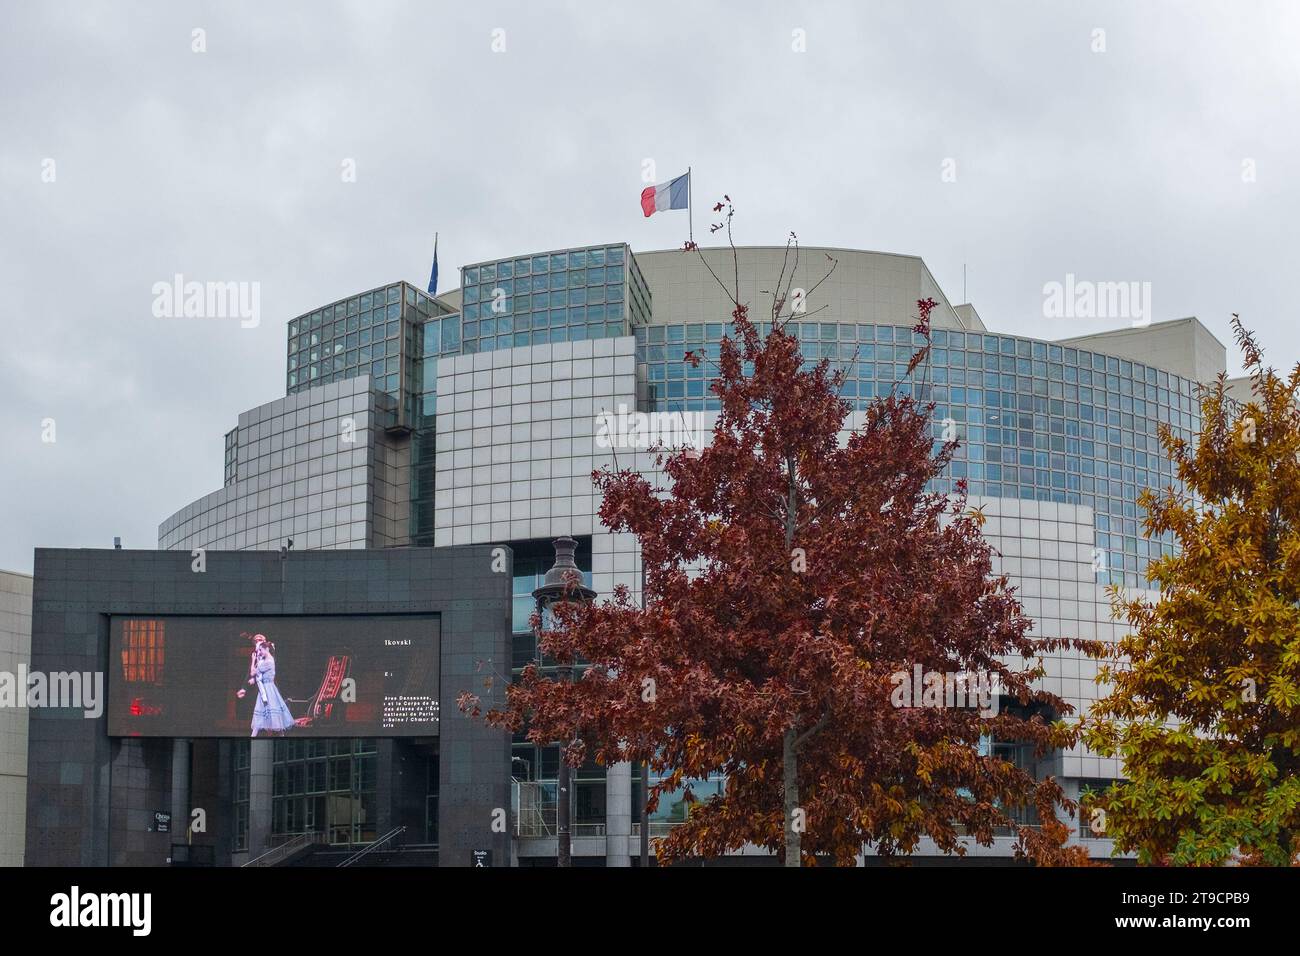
544, 825
278, 854
999, 830
535, 813
658, 829
365, 851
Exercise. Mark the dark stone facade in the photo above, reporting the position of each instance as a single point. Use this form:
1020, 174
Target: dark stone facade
91, 799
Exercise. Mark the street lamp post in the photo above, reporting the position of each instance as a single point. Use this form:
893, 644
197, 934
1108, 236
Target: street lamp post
645, 814
563, 583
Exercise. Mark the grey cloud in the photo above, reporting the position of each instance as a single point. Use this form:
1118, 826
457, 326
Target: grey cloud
226, 165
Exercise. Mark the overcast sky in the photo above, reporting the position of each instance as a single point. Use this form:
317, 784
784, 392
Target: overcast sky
1170, 158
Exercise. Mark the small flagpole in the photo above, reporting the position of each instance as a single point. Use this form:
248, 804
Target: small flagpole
433, 278
690, 213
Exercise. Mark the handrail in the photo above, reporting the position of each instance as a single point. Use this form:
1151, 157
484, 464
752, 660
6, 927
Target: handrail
658, 828
396, 831
286, 849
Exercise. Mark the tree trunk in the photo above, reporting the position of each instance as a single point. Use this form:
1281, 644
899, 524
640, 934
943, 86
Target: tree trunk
1287, 766
793, 848
789, 742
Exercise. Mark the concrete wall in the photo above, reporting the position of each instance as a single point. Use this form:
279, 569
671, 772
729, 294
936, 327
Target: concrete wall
970, 318
1240, 389
1183, 346
874, 287
15, 651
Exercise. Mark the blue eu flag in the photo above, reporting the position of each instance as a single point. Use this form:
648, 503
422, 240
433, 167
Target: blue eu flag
433, 276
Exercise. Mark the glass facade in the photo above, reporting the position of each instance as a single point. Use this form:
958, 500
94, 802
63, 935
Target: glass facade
1037, 420
324, 786
567, 296
531, 763
374, 333
354, 336
562, 296
295, 475
232, 456
435, 337
394, 334
673, 805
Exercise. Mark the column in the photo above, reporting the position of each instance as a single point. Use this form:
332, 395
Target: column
259, 796
618, 815
180, 789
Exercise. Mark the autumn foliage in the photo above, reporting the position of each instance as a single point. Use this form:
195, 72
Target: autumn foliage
790, 569
1204, 707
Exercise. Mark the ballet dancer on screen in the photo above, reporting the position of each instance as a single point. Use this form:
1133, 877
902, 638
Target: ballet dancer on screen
270, 712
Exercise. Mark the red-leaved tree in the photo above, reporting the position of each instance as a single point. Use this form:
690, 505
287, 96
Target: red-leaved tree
790, 575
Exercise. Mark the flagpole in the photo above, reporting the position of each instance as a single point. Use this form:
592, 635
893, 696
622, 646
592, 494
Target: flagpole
690, 213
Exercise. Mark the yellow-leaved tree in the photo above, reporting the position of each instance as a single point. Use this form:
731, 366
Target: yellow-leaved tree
1204, 705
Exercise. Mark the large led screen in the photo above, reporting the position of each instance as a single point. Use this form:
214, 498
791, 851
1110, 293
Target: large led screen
345, 676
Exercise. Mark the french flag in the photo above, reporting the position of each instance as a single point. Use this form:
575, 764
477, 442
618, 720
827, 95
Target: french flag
674, 194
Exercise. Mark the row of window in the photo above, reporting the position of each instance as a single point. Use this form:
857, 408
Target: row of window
355, 306
556, 281
1078, 399
317, 375
346, 352
542, 301
576, 333
1036, 421
377, 301
542, 264
947, 345
671, 383
556, 318
496, 323
340, 336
